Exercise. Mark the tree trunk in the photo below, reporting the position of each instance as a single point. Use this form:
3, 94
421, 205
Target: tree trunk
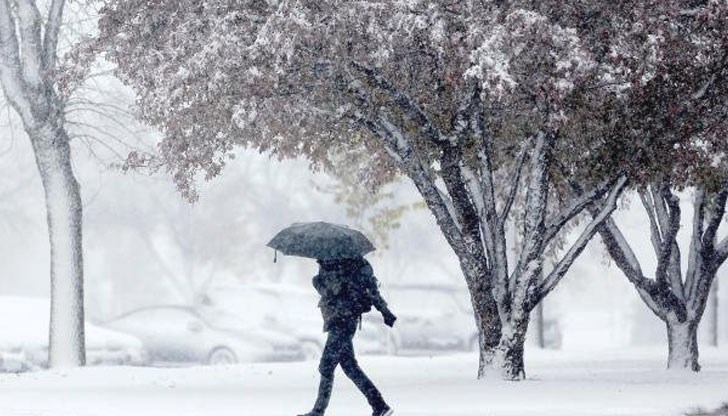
509, 353
682, 345
539, 323
714, 303
64, 211
489, 328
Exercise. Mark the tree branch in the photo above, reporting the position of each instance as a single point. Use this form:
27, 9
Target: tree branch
535, 210
657, 297
554, 225
721, 251
390, 143
622, 254
477, 192
460, 123
513, 186
708, 256
617, 246
10, 76
404, 101
50, 39
29, 22
701, 92
695, 250
714, 217
671, 207
423, 181
456, 179
655, 234
663, 210
491, 228
399, 147
550, 282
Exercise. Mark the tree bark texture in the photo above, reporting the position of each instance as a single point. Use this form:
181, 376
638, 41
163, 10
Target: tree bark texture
28, 54
682, 345
64, 216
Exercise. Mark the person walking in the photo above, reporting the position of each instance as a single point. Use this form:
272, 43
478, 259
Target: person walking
348, 289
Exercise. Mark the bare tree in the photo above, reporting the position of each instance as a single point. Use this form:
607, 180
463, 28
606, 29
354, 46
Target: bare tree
29, 47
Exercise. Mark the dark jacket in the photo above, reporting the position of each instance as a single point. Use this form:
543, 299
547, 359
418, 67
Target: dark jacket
335, 285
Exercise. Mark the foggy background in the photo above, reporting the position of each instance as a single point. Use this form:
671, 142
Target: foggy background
145, 245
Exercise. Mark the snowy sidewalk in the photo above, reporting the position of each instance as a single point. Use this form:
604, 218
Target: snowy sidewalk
625, 383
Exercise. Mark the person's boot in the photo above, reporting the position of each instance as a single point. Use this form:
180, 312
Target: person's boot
384, 411
322, 401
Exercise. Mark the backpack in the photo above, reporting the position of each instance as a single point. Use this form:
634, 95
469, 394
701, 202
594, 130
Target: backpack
362, 289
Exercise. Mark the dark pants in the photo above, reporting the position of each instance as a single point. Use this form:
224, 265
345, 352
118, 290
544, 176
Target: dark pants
339, 350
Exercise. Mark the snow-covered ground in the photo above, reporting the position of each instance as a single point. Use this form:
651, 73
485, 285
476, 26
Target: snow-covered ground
626, 382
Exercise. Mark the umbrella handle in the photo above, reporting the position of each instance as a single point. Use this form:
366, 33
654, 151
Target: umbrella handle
275, 256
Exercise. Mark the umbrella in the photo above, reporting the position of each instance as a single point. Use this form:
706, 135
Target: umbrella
321, 240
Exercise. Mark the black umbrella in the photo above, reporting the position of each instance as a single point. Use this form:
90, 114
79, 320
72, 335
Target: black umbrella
321, 240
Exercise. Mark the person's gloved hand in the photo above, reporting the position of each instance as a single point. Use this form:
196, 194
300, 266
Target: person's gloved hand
389, 318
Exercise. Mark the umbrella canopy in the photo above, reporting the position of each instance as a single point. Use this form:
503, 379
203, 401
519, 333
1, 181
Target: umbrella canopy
321, 240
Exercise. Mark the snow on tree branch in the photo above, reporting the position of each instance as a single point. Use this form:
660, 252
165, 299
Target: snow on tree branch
716, 211
29, 23
557, 223
51, 34
610, 204
565, 62
513, 188
10, 72
405, 102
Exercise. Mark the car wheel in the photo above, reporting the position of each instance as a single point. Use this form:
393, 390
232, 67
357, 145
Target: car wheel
222, 356
311, 350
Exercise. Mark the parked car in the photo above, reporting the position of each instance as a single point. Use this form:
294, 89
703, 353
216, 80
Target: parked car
174, 335
431, 318
24, 338
14, 361
290, 309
